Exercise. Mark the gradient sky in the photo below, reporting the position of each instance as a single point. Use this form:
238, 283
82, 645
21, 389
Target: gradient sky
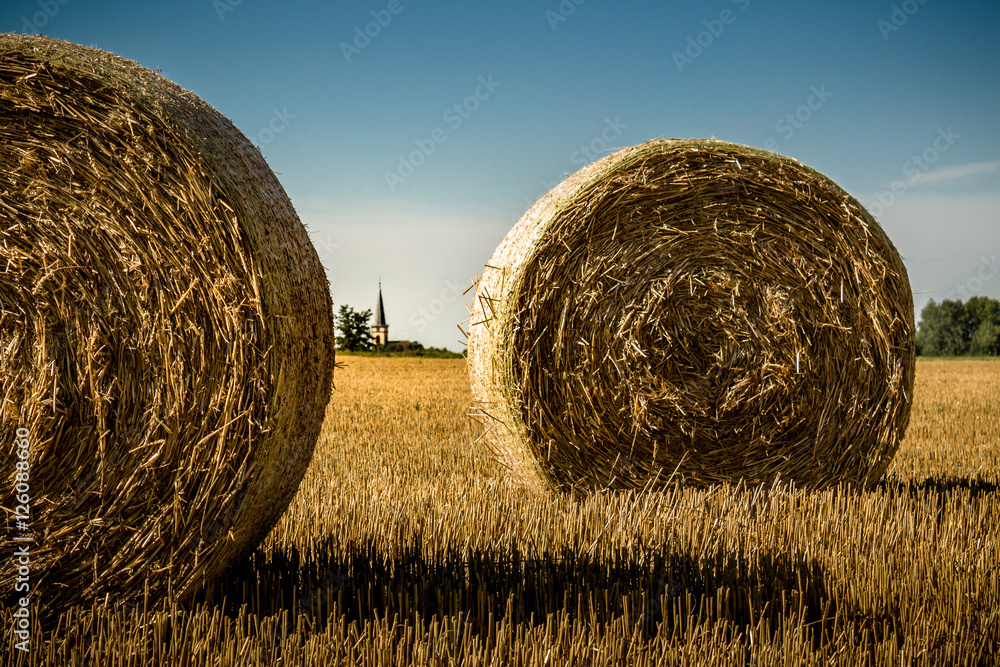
410, 151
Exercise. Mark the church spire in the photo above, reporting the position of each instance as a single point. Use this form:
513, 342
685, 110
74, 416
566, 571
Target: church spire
380, 309
380, 329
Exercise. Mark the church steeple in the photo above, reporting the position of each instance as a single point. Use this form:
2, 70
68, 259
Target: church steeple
380, 330
380, 309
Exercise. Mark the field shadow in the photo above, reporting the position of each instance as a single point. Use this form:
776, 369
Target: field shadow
977, 488
649, 590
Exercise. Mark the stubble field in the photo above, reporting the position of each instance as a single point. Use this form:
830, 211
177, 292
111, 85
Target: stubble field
406, 545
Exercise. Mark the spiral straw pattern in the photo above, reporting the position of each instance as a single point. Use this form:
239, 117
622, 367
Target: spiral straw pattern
166, 331
694, 310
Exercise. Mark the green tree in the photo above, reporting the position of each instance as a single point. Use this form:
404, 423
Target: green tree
979, 309
355, 334
952, 329
926, 329
943, 329
986, 341
983, 314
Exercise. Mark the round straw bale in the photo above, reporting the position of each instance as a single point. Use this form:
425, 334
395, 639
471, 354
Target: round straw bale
165, 329
694, 307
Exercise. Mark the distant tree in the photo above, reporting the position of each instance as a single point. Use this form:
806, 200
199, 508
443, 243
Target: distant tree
414, 348
942, 329
952, 329
983, 316
927, 329
355, 334
981, 309
986, 341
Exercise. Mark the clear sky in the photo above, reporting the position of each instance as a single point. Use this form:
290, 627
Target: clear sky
411, 134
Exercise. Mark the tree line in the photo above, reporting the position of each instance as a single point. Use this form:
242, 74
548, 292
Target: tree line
951, 328
947, 329
356, 336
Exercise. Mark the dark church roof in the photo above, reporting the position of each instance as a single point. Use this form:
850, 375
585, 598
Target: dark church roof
380, 309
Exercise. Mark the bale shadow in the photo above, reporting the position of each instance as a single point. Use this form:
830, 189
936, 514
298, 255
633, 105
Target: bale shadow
656, 591
931, 486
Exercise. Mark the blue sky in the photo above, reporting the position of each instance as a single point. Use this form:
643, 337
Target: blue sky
411, 134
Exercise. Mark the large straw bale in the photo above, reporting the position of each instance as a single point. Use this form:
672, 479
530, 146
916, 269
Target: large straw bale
165, 329
694, 307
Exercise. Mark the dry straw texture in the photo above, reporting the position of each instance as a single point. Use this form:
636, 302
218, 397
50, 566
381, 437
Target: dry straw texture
697, 307
165, 328
405, 546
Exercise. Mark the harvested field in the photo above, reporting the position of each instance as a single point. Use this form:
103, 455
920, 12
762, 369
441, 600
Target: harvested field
406, 545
